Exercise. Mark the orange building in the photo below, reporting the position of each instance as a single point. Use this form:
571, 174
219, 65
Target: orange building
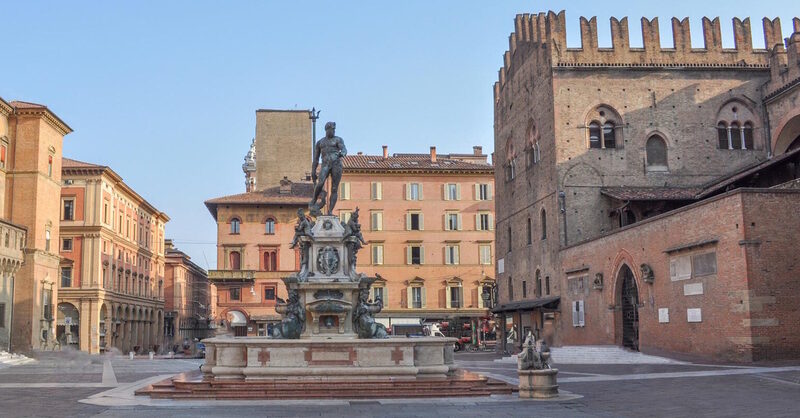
428, 220
111, 282
31, 138
187, 303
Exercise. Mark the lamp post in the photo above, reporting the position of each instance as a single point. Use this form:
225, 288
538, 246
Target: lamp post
313, 114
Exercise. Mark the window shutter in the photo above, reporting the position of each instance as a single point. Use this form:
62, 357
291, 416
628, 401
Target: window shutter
575, 314
385, 296
582, 314
421, 222
480, 297
419, 189
456, 255
408, 221
445, 195
380, 221
408, 254
421, 254
380, 190
489, 191
409, 293
461, 296
477, 221
347, 191
424, 298
491, 222
458, 191
448, 298
408, 191
458, 222
477, 190
446, 224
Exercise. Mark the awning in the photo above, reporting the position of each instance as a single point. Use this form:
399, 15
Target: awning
237, 318
550, 302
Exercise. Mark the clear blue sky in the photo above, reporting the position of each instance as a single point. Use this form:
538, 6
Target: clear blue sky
165, 92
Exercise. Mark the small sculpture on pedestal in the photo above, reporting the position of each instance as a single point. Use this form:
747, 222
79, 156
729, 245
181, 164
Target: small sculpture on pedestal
302, 236
363, 321
533, 356
294, 317
536, 378
353, 239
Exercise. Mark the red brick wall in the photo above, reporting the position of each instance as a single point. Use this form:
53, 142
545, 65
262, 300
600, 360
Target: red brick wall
753, 283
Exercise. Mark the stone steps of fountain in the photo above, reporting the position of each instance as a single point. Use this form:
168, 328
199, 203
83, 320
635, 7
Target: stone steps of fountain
191, 386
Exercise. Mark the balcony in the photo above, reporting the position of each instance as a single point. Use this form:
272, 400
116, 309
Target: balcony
218, 276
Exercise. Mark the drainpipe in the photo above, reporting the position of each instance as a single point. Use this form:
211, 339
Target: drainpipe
562, 204
11, 316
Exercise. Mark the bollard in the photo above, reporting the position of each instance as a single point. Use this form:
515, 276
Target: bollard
171, 354
151, 355
130, 355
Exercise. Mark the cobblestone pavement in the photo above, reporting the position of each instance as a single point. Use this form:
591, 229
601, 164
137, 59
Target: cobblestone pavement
75, 385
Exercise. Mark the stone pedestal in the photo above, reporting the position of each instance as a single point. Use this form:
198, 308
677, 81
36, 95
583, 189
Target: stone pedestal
538, 384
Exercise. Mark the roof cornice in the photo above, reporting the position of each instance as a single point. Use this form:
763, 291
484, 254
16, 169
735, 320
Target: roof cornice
48, 117
5, 108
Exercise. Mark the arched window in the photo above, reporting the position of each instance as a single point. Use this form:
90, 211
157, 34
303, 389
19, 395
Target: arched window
747, 135
735, 129
235, 225
271, 260
543, 217
656, 149
235, 260
736, 135
594, 135
722, 135
603, 124
270, 226
609, 135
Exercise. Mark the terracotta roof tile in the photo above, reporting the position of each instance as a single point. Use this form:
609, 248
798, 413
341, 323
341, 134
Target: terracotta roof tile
651, 193
26, 105
70, 163
411, 162
300, 194
739, 175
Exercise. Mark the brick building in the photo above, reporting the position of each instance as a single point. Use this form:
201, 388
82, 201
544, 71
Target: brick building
187, 300
111, 278
428, 220
615, 219
31, 138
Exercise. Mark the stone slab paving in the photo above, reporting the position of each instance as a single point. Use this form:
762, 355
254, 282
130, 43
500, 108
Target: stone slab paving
77, 388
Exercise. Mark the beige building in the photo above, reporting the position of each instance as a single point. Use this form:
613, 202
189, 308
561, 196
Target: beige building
111, 278
31, 138
187, 301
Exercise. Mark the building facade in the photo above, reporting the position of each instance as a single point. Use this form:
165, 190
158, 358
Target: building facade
427, 218
31, 138
187, 301
600, 151
111, 276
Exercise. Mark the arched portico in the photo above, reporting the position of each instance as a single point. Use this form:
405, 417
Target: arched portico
787, 135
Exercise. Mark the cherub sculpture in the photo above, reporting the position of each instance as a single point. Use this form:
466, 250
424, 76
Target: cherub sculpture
294, 318
363, 320
302, 229
352, 229
533, 356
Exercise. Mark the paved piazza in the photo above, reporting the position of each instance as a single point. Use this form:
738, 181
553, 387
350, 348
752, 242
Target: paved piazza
74, 384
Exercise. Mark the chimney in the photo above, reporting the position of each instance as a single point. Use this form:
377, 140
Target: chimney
385, 152
360, 153
168, 244
477, 150
433, 154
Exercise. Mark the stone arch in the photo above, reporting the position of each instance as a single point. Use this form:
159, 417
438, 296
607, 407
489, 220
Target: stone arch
787, 133
68, 322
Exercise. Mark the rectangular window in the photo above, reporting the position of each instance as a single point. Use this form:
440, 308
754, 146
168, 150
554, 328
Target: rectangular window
66, 244
485, 254
49, 166
377, 254
524, 289
3, 151
2, 315
377, 293
414, 221
416, 297
269, 293
483, 222
547, 285
578, 314
235, 293
415, 254
451, 254
455, 297
483, 192
47, 240
452, 191
510, 289
344, 215
105, 213
376, 191
528, 231
344, 191
47, 303
452, 221
413, 191
66, 276
376, 223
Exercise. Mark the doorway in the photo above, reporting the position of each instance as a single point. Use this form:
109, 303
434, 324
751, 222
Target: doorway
630, 309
